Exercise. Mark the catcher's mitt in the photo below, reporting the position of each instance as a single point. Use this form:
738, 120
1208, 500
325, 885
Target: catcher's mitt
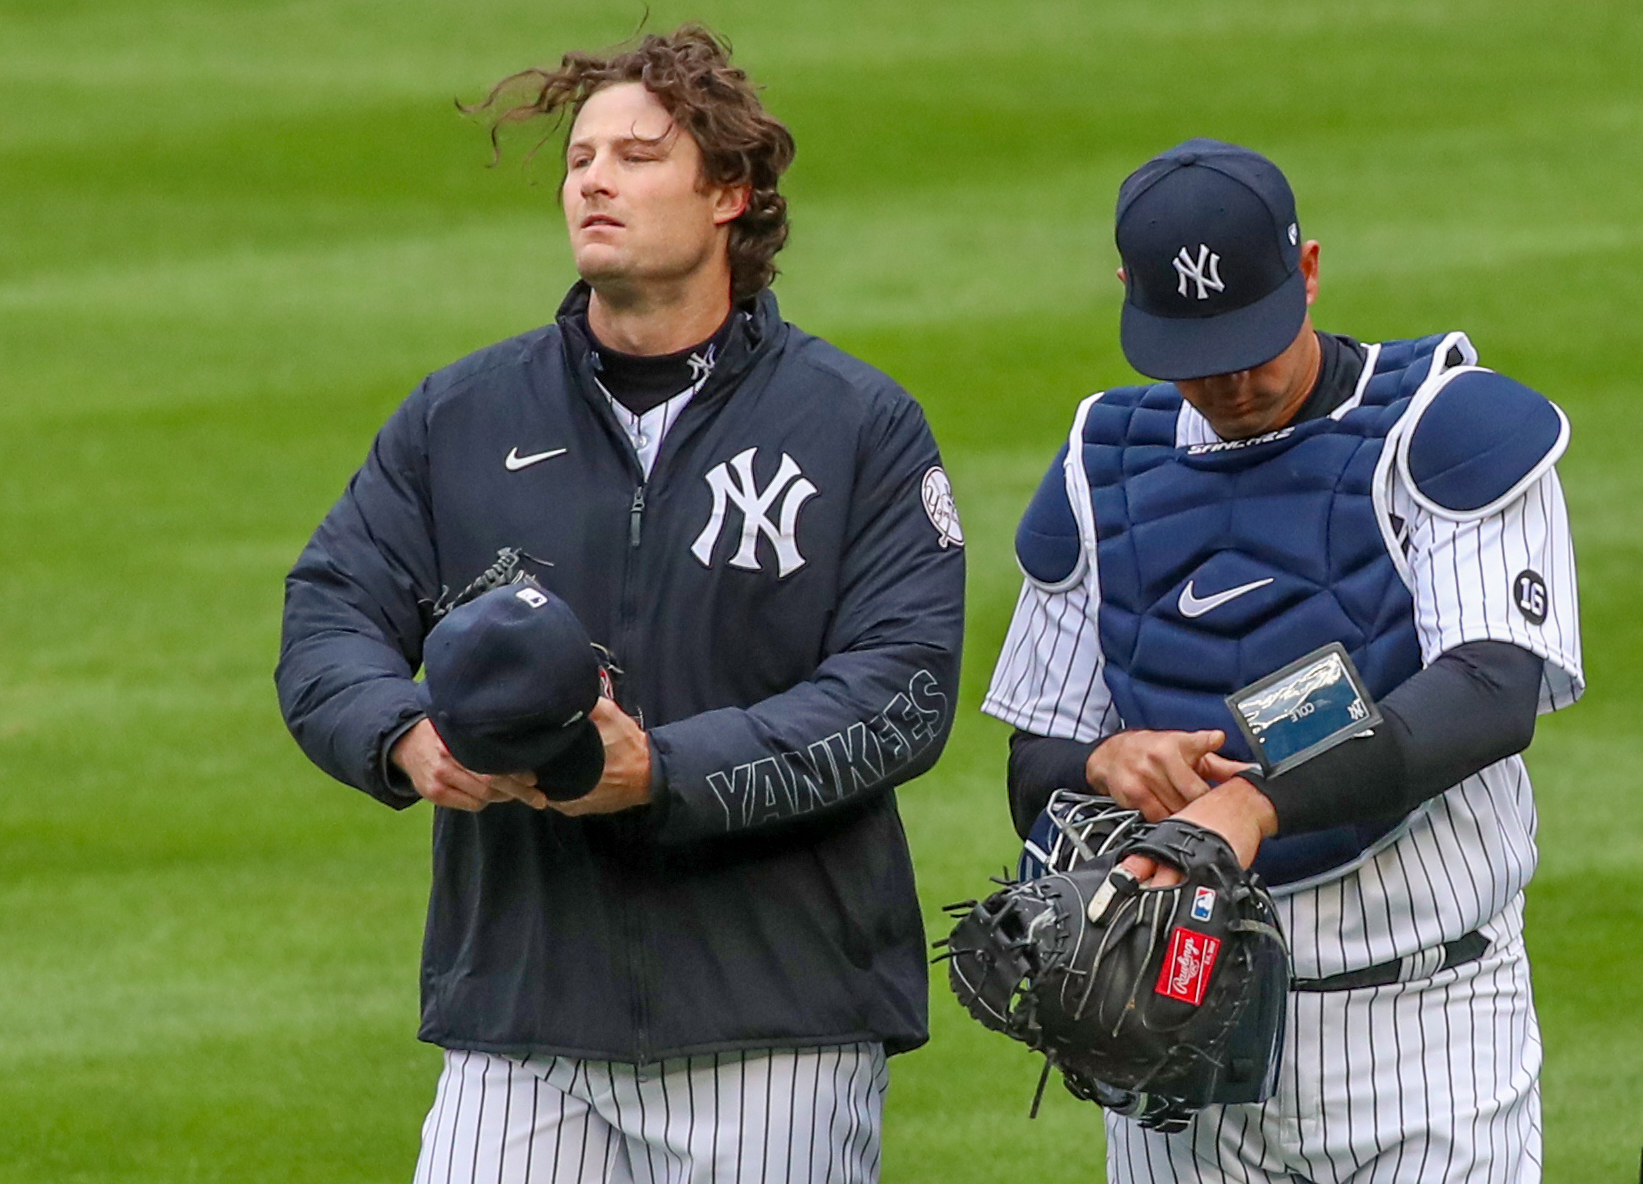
1154, 1002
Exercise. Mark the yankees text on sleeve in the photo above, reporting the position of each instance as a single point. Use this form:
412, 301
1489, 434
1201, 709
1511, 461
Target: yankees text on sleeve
783, 594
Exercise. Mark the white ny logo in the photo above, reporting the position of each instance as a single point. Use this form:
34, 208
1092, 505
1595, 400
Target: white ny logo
1192, 269
702, 365
733, 482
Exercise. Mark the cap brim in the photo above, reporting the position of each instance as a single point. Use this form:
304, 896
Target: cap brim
568, 762
1173, 348
510, 750
577, 769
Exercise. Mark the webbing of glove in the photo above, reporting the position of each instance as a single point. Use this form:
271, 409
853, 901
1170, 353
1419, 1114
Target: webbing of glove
996, 950
505, 569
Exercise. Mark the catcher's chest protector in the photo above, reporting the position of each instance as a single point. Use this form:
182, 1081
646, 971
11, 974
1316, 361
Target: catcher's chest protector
1220, 563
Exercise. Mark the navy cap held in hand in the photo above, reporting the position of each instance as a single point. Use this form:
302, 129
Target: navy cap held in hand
510, 679
1212, 261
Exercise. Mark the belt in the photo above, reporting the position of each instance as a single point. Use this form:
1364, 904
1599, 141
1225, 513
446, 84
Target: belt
1420, 964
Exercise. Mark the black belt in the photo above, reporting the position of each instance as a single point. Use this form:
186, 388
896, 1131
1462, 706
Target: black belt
1421, 964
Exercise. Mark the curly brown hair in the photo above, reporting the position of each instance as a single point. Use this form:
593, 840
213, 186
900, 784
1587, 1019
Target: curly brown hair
690, 74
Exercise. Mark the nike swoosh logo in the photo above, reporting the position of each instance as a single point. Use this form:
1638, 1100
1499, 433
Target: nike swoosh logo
515, 462
1192, 606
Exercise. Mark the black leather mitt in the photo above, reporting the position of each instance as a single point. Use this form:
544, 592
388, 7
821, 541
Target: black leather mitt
1154, 1002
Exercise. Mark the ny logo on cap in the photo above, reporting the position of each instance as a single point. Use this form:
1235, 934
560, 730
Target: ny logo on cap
734, 483
1205, 271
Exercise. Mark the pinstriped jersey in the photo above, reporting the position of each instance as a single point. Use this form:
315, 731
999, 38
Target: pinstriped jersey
1504, 574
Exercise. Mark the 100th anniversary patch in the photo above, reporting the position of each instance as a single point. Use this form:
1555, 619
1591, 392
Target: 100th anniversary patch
938, 504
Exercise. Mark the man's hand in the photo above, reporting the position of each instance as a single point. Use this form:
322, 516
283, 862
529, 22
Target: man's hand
626, 780
445, 781
1235, 810
1158, 773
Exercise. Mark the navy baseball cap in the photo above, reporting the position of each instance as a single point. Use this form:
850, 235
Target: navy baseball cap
510, 679
1212, 262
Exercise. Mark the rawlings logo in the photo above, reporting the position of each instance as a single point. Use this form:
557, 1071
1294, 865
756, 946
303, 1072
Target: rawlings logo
1187, 965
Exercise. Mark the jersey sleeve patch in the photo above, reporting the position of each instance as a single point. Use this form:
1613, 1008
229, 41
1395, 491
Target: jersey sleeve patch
1047, 542
1478, 441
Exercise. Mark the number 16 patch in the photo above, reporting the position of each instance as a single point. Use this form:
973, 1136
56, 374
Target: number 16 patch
1187, 965
1529, 594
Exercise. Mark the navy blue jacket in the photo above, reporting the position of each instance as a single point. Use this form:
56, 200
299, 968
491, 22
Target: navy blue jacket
766, 897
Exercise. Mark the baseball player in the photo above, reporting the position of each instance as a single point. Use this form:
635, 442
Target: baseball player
695, 970
1277, 490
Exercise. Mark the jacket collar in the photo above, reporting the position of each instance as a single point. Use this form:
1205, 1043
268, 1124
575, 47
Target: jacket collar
756, 332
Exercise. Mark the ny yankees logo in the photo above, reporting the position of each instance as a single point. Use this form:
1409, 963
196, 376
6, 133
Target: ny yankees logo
1205, 271
733, 482
702, 365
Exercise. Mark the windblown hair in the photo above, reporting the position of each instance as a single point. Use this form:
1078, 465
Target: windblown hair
690, 74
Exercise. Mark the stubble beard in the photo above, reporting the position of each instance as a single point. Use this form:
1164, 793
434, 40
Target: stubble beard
622, 279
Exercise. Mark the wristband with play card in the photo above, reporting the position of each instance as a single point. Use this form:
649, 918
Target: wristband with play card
1306, 708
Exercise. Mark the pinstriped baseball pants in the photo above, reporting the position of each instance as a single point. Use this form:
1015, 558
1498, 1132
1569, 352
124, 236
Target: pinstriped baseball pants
806, 1116
1428, 1081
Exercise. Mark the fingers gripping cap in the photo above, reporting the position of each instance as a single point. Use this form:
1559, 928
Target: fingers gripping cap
1212, 252
511, 678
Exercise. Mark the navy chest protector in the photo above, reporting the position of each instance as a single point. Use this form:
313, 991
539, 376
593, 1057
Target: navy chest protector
1219, 563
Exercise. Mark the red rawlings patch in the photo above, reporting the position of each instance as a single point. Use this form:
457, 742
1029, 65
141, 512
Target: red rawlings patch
1191, 957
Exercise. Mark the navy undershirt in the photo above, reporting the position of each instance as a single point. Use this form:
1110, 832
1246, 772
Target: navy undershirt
1475, 705
642, 382
1340, 365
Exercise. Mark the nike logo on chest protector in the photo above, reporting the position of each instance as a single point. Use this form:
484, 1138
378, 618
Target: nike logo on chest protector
1192, 605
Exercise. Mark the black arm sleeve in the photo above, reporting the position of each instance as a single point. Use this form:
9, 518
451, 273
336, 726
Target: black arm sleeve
1040, 765
1473, 706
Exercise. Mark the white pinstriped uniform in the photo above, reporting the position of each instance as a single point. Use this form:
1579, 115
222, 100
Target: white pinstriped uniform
1454, 1062
806, 1116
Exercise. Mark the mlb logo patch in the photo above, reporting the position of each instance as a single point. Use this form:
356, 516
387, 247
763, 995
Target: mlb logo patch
1187, 965
1203, 904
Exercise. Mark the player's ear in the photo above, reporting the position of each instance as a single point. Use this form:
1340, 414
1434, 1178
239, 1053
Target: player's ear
1309, 267
1123, 278
730, 203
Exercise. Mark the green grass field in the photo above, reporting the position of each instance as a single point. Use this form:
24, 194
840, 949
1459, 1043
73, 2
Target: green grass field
233, 233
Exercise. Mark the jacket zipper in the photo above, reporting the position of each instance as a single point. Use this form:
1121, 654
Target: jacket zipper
636, 511
634, 909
